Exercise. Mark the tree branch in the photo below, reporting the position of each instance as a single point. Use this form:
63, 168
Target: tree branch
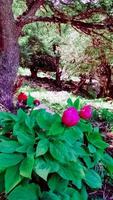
29, 3
102, 35
53, 19
32, 7
89, 13
60, 17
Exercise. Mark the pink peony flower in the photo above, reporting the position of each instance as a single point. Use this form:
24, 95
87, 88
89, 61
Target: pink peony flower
36, 102
86, 112
70, 117
22, 97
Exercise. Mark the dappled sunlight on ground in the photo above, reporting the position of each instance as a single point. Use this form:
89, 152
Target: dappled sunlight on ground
61, 97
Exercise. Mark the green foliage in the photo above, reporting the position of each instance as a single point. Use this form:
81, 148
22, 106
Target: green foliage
77, 52
25, 192
104, 115
43, 159
19, 6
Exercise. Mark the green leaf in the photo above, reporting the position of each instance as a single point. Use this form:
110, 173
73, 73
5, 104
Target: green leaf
57, 127
72, 134
29, 149
65, 196
77, 103
93, 179
74, 194
21, 127
22, 149
88, 161
7, 121
85, 126
70, 103
8, 146
6, 116
108, 162
79, 150
55, 181
42, 169
62, 152
30, 101
26, 167
21, 116
91, 148
12, 178
84, 194
25, 138
42, 147
29, 123
78, 132
8, 160
97, 141
24, 192
50, 196
52, 163
44, 166
44, 119
78, 183
100, 144
72, 171
2, 184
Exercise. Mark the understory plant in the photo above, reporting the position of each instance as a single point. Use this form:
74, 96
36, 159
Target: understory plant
46, 156
103, 114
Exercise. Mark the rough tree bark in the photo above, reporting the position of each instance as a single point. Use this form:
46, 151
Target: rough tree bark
9, 48
9, 53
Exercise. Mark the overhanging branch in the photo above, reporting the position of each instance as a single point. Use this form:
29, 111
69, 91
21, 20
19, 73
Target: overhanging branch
89, 13
33, 6
60, 17
53, 19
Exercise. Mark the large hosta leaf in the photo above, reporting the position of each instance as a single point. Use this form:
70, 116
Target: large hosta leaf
44, 119
25, 192
12, 178
42, 147
62, 152
50, 196
93, 179
8, 146
71, 171
42, 169
45, 166
55, 181
8, 160
27, 166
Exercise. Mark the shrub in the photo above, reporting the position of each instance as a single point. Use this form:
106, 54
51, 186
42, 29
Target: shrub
41, 158
103, 114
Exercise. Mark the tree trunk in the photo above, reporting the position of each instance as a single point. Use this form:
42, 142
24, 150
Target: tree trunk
9, 53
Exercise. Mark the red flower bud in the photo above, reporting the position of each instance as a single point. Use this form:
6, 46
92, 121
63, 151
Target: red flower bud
36, 102
70, 117
22, 97
86, 112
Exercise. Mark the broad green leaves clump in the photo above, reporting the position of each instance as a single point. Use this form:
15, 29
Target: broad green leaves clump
41, 158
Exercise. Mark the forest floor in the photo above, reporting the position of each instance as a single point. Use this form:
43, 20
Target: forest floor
47, 90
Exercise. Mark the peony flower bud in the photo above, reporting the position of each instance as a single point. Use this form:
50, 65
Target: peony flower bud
70, 117
36, 102
22, 97
86, 112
